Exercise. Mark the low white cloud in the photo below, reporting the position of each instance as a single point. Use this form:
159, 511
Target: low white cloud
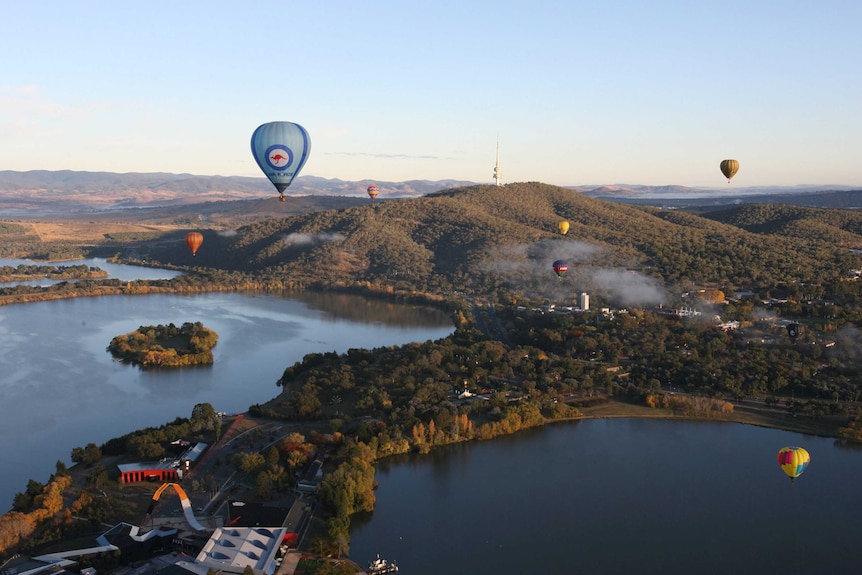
26, 104
538, 258
530, 267
388, 156
629, 287
310, 239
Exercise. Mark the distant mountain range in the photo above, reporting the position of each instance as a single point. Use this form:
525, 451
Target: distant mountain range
43, 192
684, 192
107, 190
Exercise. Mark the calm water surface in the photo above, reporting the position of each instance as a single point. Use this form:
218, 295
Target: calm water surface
61, 389
619, 496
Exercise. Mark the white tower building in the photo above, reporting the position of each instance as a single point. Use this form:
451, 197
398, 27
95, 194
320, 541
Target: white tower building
584, 301
497, 174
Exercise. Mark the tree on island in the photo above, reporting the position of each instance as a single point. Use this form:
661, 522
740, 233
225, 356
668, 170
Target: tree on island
166, 345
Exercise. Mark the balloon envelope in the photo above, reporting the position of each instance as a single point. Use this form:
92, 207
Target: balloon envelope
729, 168
373, 191
194, 241
561, 267
793, 461
564, 227
280, 150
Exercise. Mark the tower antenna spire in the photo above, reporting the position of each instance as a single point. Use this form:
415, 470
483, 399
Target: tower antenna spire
497, 174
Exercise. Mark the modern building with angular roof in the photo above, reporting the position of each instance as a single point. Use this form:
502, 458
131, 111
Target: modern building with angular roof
232, 549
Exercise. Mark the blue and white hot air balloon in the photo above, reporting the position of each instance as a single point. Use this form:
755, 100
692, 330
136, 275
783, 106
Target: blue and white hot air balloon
280, 149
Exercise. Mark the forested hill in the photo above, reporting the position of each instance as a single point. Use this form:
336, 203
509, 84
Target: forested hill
485, 239
840, 226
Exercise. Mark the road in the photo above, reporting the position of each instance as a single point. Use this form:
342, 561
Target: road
488, 323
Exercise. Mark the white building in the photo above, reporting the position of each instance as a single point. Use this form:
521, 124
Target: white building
584, 301
232, 549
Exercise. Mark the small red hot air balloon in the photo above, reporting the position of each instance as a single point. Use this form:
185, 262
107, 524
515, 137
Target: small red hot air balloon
194, 241
373, 191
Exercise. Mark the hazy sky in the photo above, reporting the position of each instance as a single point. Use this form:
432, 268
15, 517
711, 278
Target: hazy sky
599, 92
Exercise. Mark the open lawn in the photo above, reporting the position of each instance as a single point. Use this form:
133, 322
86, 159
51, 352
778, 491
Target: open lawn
80, 231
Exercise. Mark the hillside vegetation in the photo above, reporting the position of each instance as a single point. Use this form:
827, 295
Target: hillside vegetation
496, 241
830, 225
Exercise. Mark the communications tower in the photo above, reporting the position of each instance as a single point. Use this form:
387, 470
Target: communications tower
497, 174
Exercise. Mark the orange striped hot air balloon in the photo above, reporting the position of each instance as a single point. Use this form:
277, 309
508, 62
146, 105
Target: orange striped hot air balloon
194, 241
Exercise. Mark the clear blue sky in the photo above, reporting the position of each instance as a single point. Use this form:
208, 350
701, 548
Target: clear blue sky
599, 92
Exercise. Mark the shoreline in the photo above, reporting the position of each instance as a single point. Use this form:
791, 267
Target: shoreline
770, 418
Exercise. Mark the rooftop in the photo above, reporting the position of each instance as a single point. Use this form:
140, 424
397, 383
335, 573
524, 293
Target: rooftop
232, 549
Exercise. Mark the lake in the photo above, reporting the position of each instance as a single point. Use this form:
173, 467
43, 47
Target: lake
618, 496
61, 389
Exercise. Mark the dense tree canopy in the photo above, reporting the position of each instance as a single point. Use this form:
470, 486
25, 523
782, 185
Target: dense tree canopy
166, 345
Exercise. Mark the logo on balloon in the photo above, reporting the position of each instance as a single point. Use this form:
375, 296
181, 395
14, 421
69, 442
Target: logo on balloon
279, 157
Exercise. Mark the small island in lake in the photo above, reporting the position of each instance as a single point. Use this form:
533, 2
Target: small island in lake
166, 345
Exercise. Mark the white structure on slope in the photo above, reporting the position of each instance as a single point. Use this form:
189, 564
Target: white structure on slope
497, 175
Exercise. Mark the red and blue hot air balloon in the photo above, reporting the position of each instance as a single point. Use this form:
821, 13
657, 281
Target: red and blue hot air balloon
561, 267
373, 190
280, 150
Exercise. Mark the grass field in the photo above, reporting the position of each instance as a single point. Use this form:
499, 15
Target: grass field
90, 232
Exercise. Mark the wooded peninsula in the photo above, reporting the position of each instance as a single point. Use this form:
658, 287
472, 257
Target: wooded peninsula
24, 272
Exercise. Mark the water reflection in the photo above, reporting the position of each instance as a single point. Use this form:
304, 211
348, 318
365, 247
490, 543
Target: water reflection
618, 496
367, 309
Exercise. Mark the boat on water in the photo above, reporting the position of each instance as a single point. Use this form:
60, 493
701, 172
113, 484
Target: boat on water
380, 566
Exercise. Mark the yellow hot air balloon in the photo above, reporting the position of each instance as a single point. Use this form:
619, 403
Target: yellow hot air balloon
793, 461
729, 168
564, 227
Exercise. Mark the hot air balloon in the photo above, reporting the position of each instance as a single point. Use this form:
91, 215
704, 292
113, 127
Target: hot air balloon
194, 241
280, 150
729, 168
373, 191
561, 267
564, 227
793, 461
793, 330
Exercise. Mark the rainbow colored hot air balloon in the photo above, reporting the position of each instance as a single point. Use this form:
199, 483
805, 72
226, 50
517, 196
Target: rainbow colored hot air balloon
373, 191
793, 461
280, 150
194, 241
